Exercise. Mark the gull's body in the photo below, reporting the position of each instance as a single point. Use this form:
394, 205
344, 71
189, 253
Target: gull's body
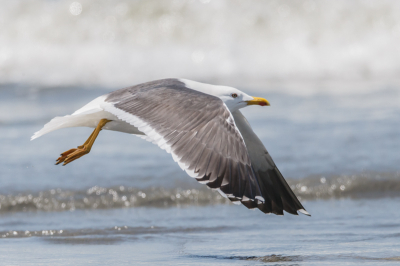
203, 129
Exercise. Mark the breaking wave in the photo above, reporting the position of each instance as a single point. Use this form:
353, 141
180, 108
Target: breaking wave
110, 234
120, 43
367, 185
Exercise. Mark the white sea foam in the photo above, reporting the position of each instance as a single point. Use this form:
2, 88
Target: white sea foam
252, 43
360, 186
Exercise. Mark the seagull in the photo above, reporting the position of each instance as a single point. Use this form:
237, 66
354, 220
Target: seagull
201, 126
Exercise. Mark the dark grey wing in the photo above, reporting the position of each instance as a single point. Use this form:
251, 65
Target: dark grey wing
276, 192
196, 128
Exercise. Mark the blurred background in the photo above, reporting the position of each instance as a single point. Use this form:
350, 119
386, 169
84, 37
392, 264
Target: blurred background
329, 68
246, 43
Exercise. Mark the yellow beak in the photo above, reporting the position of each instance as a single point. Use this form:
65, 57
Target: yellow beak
258, 101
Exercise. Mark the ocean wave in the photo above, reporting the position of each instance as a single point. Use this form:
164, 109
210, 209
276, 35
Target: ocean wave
123, 43
109, 234
106, 198
366, 185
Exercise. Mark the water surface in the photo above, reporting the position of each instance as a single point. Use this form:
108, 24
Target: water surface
127, 202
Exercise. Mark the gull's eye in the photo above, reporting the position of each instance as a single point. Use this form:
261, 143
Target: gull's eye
234, 95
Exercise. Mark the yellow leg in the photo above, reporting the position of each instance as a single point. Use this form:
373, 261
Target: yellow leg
73, 154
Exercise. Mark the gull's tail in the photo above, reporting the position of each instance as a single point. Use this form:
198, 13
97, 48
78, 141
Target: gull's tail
87, 116
56, 123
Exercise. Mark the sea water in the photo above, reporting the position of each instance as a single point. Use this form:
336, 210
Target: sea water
329, 69
127, 202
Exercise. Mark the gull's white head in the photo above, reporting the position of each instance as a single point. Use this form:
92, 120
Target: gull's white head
233, 98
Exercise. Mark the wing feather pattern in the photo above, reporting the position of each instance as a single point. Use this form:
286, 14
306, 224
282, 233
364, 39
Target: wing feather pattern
197, 129
277, 194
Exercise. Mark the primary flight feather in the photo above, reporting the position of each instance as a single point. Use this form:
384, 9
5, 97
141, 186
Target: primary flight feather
203, 129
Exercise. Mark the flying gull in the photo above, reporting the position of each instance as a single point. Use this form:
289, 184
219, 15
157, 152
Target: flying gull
203, 129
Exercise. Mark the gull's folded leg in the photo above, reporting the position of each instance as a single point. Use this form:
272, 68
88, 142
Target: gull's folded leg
73, 154
86, 142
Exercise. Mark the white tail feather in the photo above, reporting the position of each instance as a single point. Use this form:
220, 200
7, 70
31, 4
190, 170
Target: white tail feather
57, 123
88, 116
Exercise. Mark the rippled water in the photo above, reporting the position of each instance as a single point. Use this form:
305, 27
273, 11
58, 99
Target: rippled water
350, 232
128, 202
